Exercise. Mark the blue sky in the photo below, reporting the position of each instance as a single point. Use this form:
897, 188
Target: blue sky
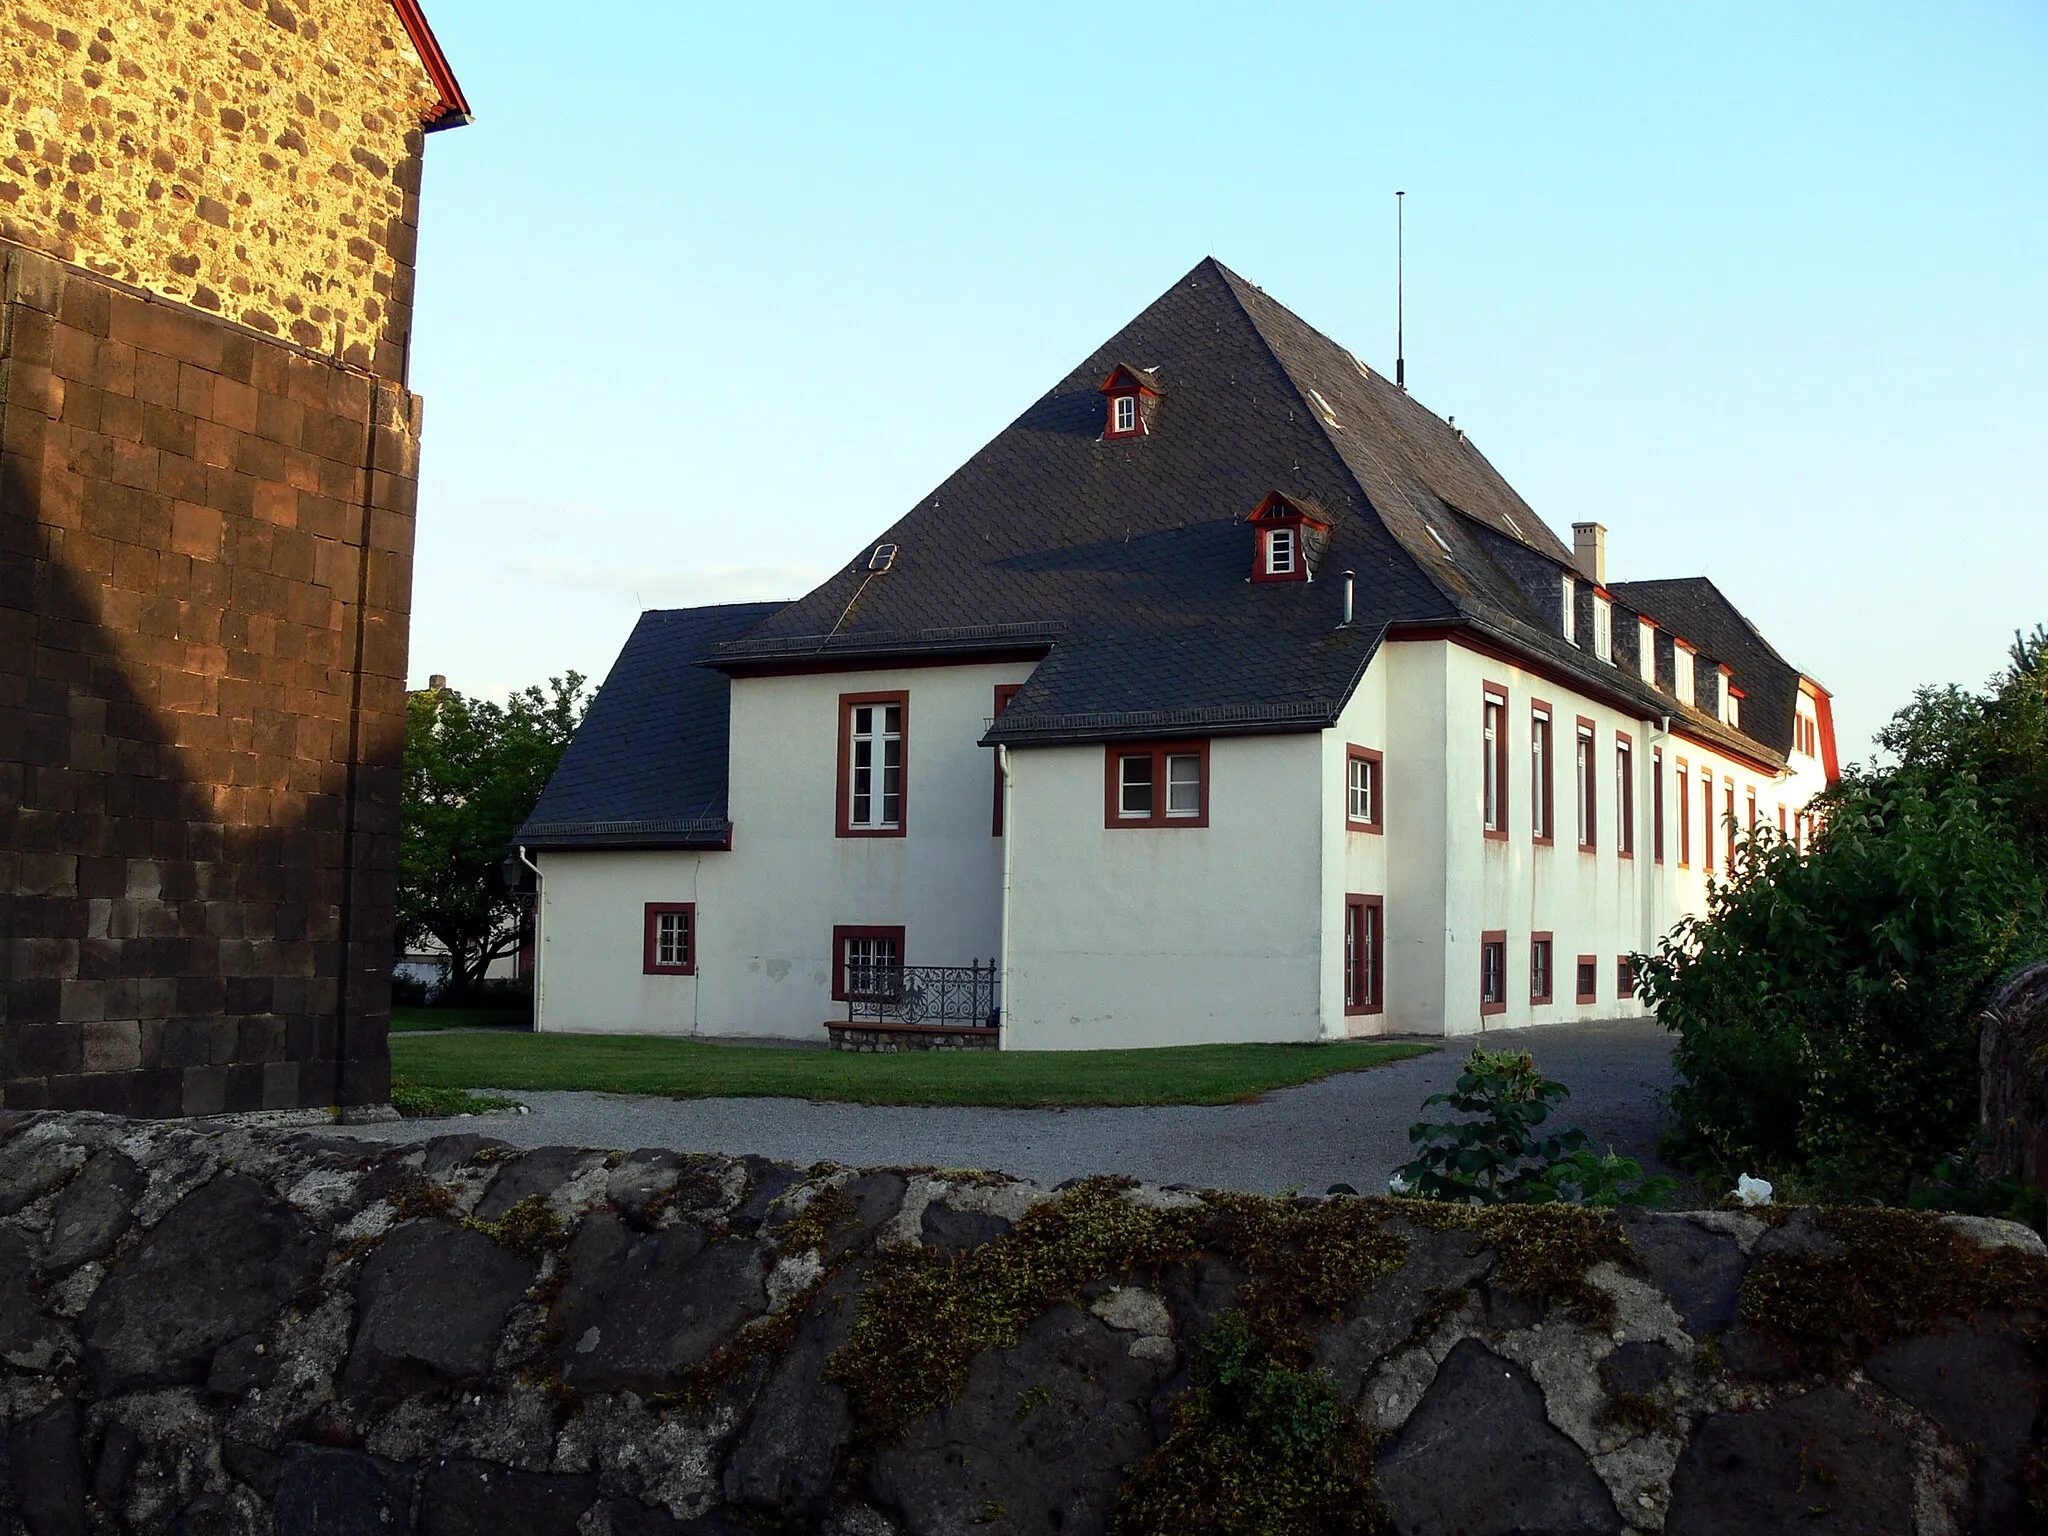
709, 295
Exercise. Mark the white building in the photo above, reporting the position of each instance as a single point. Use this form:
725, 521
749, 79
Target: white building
1228, 694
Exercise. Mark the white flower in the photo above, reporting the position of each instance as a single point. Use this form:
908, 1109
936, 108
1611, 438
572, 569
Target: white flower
1753, 1191
1396, 1185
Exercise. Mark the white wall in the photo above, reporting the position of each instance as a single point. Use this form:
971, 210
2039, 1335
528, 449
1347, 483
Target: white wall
766, 909
1137, 936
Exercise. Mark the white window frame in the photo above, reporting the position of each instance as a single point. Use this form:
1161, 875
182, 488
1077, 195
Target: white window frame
1282, 549
1603, 628
1582, 785
1682, 673
1540, 738
1125, 413
1646, 651
1493, 730
1176, 807
1568, 611
1361, 804
862, 767
1125, 784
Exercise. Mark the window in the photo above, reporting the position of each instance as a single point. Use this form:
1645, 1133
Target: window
1495, 770
1752, 811
1684, 802
1646, 651
1004, 693
1163, 784
1728, 821
1126, 409
1625, 978
1493, 972
1805, 736
1364, 954
1781, 818
866, 962
1542, 795
1725, 697
1624, 797
1603, 628
1706, 817
1734, 708
1589, 979
1657, 804
1542, 977
669, 947
1363, 770
872, 732
1682, 671
1567, 612
1279, 551
1588, 796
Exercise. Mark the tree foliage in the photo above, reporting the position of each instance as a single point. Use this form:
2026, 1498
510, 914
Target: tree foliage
1826, 1001
473, 770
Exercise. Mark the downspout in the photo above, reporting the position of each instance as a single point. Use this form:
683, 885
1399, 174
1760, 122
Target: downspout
1003, 956
540, 950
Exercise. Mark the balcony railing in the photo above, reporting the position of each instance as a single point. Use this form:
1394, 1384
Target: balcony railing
936, 996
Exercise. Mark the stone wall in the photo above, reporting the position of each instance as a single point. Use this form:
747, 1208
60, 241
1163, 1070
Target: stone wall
205, 575
212, 1330
259, 159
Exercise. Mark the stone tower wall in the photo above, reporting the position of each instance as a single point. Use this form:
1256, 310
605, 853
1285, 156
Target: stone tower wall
205, 575
256, 159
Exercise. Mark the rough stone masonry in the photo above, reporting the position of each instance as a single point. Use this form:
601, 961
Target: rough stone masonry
227, 1330
208, 461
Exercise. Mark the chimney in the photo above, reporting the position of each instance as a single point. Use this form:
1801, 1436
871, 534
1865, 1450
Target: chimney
437, 681
1589, 551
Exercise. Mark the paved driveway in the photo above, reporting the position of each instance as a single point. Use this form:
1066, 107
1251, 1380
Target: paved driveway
1351, 1128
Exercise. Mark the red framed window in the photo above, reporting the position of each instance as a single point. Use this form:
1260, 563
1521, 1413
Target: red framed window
1781, 819
1728, 820
1365, 950
1752, 812
1588, 796
1624, 977
1156, 784
1542, 967
1589, 979
669, 946
1364, 786
1542, 780
1657, 804
1493, 971
866, 961
1004, 693
874, 751
1624, 796
1494, 731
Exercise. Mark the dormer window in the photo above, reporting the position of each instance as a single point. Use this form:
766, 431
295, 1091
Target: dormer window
1131, 394
1279, 551
1567, 613
1603, 628
1735, 707
1646, 651
1289, 535
1682, 656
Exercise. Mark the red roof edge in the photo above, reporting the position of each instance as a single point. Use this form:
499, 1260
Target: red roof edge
452, 111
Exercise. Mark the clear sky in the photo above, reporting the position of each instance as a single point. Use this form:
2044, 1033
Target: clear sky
709, 295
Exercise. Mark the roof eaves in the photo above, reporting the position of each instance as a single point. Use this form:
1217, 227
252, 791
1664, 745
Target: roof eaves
452, 111
655, 832
1014, 729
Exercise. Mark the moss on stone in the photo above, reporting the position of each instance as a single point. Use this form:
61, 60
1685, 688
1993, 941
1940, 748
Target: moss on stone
418, 1196
928, 1314
529, 1228
830, 1209
1304, 1256
1257, 1449
1899, 1274
1544, 1252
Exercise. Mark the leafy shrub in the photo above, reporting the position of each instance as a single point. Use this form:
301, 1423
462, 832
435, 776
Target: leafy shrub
1500, 1156
1826, 1001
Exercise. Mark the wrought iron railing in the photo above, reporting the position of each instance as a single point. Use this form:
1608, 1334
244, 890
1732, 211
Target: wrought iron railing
959, 996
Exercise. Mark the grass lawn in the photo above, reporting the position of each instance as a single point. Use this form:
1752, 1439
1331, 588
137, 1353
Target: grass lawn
688, 1069
407, 1018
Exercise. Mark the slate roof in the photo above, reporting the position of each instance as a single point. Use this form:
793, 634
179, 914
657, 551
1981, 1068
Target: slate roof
1126, 561
1696, 609
648, 766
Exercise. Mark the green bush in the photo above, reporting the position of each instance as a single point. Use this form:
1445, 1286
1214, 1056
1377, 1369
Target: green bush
1826, 1001
1500, 1156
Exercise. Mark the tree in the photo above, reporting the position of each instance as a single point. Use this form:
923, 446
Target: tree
473, 770
1826, 1002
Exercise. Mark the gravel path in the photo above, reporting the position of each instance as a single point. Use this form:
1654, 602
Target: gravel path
1351, 1128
